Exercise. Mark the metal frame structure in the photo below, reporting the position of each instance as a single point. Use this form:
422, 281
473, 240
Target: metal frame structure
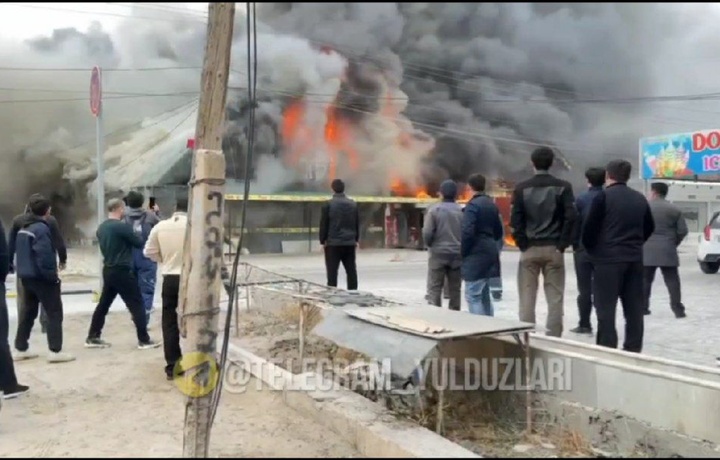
308, 295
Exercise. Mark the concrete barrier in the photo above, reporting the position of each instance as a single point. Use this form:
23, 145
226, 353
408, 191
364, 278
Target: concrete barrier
374, 431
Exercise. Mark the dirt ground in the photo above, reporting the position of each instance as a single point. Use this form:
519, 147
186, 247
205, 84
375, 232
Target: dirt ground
117, 403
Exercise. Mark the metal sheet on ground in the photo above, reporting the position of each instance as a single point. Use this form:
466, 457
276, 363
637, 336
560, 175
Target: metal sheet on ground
404, 350
437, 323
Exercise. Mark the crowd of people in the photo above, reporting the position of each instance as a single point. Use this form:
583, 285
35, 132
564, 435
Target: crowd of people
617, 236
133, 242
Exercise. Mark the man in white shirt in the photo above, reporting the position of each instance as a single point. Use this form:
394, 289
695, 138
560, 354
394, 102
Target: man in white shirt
165, 246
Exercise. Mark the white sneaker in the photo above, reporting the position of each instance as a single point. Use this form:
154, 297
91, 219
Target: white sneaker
24, 355
60, 357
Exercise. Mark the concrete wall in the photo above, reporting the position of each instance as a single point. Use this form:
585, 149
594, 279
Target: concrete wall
632, 397
617, 398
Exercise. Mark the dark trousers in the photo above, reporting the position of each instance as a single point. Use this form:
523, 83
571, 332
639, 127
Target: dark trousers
170, 326
584, 275
444, 273
622, 281
122, 282
8, 380
671, 276
334, 256
47, 293
21, 304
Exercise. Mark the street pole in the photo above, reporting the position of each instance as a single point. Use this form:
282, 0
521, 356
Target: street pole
97, 109
200, 284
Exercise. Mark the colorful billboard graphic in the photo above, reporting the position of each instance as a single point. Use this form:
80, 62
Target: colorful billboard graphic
694, 156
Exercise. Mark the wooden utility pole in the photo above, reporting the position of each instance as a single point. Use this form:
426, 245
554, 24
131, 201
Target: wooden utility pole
203, 251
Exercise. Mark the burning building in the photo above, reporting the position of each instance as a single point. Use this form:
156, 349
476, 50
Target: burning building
350, 126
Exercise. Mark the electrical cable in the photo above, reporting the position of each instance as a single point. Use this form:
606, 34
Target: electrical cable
232, 288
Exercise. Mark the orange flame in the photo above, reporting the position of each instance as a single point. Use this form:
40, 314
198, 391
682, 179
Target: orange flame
300, 141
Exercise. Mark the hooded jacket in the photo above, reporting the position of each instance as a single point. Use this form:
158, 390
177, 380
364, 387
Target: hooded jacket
142, 222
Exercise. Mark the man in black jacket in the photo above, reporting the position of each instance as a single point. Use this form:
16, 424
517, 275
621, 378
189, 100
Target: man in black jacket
542, 218
9, 386
583, 265
616, 227
37, 267
58, 243
339, 235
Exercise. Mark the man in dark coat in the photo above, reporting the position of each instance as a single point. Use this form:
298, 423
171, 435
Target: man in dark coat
660, 250
58, 243
542, 219
37, 267
442, 231
340, 235
481, 231
617, 225
9, 386
583, 265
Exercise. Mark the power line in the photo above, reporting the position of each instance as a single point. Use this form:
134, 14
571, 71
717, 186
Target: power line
88, 69
85, 99
164, 137
97, 13
252, 85
137, 124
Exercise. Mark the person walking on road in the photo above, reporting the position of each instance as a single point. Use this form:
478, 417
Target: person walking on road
9, 386
142, 222
37, 269
117, 241
617, 225
583, 265
58, 242
339, 235
660, 250
442, 232
165, 246
542, 219
481, 231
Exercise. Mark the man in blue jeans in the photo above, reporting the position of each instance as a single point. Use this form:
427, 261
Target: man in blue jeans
145, 270
482, 229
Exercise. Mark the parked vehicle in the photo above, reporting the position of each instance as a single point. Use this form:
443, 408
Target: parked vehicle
708, 255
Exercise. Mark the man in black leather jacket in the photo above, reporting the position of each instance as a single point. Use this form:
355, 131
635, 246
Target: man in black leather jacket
339, 235
542, 219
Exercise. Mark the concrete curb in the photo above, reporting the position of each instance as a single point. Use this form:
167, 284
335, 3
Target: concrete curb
371, 429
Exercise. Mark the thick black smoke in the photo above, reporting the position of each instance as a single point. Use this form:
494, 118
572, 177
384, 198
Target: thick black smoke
456, 70
464, 66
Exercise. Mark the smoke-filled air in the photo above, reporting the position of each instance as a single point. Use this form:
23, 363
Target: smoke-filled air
391, 97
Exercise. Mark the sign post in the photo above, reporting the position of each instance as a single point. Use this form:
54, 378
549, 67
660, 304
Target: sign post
96, 109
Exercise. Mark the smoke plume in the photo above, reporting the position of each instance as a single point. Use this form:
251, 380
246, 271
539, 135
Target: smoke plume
386, 96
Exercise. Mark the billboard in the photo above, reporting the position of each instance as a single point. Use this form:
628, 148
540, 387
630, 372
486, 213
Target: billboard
694, 156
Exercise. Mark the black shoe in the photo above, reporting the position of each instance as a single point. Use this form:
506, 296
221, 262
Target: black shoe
497, 295
679, 314
96, 343
149, 345
15, 392
582, 330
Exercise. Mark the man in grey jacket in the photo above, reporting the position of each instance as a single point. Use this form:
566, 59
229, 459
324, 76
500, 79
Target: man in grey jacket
660, 250
442, 233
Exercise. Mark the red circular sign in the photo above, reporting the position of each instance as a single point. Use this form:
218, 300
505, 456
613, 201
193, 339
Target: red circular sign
95, 92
